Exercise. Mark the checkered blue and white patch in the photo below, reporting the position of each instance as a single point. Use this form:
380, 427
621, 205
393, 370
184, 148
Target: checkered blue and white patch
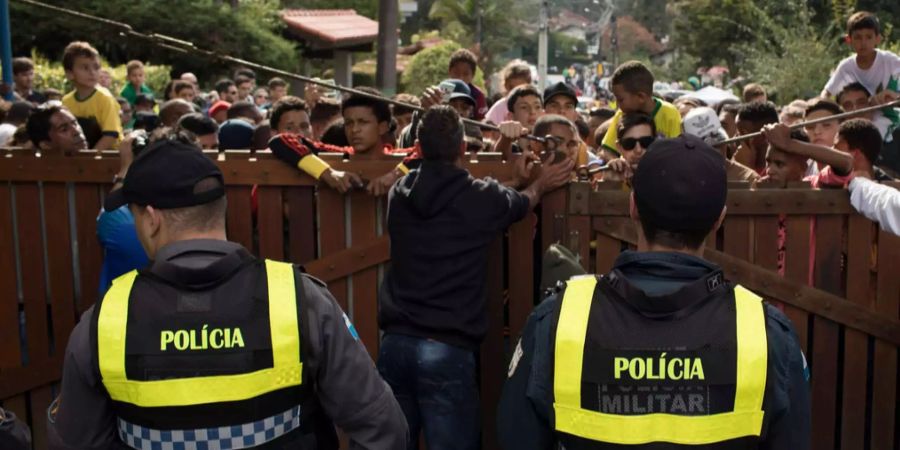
221, 438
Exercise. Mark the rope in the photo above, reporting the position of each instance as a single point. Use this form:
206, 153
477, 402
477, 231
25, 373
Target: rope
815, 121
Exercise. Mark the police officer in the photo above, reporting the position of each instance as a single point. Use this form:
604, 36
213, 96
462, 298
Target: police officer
662, 352
14, 435
209, 347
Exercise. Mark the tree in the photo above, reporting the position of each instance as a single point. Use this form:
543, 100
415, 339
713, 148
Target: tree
652, 14
252, 32
50, 74
498, 20
428, 67
794, 61
729, 31
713, 30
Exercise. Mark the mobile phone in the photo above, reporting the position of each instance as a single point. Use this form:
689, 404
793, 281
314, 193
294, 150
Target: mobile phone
446, 88
551, 145
559, 157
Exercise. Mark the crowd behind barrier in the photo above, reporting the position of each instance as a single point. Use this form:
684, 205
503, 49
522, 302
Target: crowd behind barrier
846, 319
812, 224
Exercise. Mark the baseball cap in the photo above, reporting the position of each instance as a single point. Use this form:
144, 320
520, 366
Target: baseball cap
218, 107
704, 123
680, 185
460, 90
560, 89
235, 134
164, 175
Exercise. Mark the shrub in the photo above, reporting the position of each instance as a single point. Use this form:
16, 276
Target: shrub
50, 74
429, 67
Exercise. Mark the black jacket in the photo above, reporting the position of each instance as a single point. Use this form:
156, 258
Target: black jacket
348, 387
525, 414
441, 222
14, 434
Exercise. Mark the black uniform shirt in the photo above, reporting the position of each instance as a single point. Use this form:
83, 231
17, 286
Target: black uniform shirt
525, 414
348, 386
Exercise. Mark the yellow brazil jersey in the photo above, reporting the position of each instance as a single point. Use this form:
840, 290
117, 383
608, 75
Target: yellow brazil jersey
665, 115
98, 114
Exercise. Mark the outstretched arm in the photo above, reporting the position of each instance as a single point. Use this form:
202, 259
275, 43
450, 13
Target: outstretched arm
877, 202
780, 137
301, 153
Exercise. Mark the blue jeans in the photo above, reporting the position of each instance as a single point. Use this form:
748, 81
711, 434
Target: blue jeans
436, 387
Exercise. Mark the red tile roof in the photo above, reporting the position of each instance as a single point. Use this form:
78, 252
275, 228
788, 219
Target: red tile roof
332, 27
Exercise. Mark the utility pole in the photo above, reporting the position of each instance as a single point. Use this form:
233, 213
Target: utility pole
542, 45
614, 40
478, 25
386, 69
6, 48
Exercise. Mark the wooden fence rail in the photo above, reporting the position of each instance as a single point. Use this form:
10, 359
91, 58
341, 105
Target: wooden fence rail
50, 263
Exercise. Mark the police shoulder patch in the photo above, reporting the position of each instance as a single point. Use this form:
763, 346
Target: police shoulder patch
350, 327
805, 366
514, 362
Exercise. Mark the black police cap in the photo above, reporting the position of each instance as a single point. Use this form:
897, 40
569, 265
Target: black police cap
680, 185
164, 175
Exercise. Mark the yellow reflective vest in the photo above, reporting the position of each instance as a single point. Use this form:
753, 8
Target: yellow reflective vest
661, 368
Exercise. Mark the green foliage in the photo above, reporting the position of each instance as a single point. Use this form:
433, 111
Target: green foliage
567, 48
499, 20
682, 67
50, 74
426, 34
841, 10
429, 67
794, 61
252, 32
652, 14
706, 27
758, 38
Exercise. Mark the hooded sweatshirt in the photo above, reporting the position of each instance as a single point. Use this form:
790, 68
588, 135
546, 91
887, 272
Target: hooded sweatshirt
441, 222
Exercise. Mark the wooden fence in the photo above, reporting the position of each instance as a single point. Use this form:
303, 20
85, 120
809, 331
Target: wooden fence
50, 264
50, 259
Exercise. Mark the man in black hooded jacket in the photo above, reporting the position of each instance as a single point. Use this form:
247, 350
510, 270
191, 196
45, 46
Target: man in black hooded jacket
433, 304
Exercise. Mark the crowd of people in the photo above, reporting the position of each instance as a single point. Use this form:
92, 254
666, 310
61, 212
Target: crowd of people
432, 315
238, 114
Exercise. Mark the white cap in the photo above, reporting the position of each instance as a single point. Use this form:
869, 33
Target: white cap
704, 123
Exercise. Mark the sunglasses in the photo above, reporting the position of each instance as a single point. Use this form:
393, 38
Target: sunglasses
629, 143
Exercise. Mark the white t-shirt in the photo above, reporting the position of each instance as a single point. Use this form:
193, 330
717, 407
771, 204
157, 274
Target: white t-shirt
7, 130
884, 73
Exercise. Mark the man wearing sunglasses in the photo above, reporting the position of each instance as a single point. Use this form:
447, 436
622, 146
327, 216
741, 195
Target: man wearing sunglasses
635, 134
